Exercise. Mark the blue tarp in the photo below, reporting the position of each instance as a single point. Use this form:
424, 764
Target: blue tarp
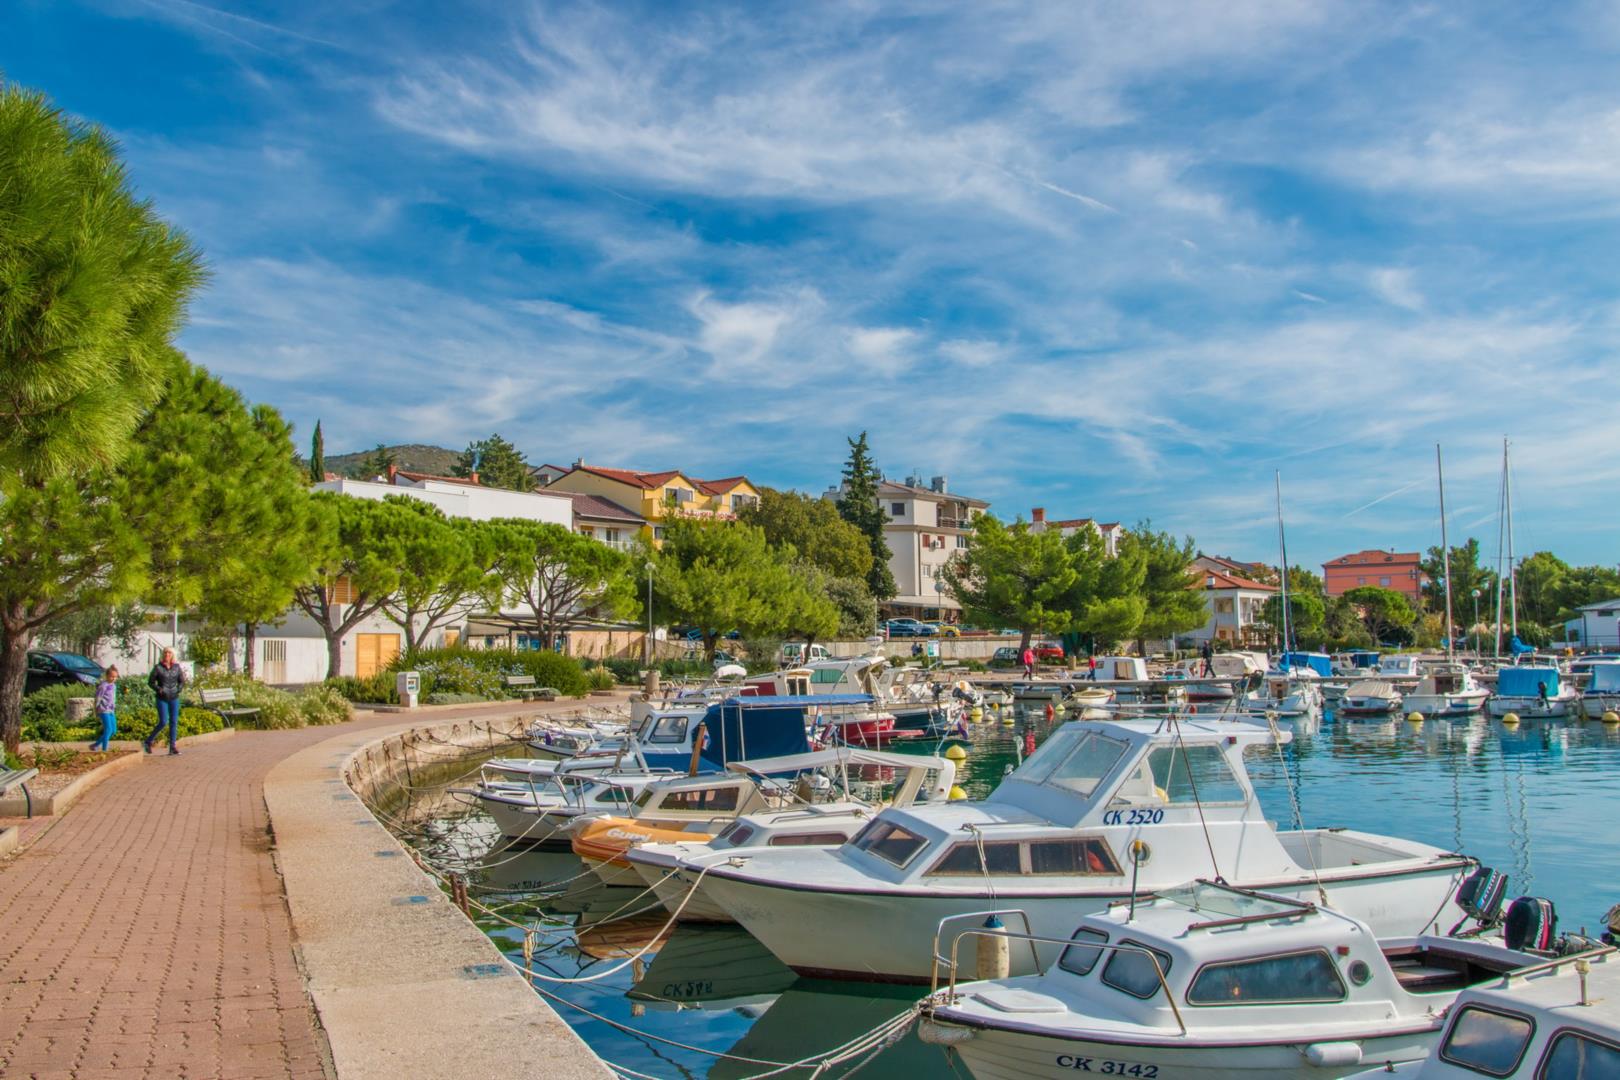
1320, 663
1525, 681
1520, 648
1605, 678
747, 728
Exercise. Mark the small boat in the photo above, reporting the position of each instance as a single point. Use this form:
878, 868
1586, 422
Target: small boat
1089, 697
1212, 981
1602, 693
1101, 808
539, 813
1531, 692
1370, 697
1289, 695
1399, 668
870, 725
1447, 689
1559, 1020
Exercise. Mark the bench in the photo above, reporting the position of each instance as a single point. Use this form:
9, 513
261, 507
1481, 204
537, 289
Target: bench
524, 687
222, 703
18, 778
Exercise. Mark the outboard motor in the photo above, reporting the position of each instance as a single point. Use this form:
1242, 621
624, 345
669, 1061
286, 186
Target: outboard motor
1611, 935
1480, 896
1531, 924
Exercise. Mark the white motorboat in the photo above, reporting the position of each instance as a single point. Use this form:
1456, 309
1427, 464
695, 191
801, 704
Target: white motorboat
673, 868
1532, 691
1557, 1021
1370, 697
542, 811
1446, 689
1101, 807
1401, 669
1296, 693
1602, 693
1212, 982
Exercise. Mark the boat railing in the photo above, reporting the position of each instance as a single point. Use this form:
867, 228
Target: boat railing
950, 995
1556, 962
939, 931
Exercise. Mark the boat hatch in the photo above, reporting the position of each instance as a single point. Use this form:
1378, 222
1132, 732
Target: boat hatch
1073, 760
1012, 1000
1431, 968
711, 798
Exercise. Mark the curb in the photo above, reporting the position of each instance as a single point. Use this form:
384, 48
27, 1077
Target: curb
58, 803
404, 984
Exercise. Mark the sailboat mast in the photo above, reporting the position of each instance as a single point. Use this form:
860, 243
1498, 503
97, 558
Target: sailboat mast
1445, 549
1282, 548
1501, 534
1513, 573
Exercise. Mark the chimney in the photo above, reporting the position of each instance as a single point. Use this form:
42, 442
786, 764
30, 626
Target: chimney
579, 463
1038, 514
938, 484
393, 473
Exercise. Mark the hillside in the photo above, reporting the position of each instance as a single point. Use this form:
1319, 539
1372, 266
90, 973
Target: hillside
412, 457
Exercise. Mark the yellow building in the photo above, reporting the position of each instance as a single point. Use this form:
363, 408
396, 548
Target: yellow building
653, 495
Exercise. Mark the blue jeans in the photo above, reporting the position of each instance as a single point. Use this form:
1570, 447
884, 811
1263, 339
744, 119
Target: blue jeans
109, 728
168, 714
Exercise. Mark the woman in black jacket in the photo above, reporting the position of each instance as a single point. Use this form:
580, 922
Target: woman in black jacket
168, 678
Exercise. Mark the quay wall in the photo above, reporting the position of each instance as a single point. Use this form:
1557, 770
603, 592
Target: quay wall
404, 983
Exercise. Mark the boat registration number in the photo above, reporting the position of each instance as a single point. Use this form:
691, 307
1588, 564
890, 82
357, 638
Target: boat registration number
1106, 1067
1133, 817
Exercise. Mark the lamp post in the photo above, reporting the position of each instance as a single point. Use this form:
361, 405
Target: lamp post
1475, 627
647, 649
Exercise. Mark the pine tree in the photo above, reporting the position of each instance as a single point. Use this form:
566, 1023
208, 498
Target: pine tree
377, 463
498, 464
859, 505
317, 456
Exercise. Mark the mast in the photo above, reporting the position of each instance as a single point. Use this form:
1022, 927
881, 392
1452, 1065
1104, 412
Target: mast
1445, 551
1501, 534
1282, 548
1513, 573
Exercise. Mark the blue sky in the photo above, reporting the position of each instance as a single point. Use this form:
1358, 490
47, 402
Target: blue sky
1117, 260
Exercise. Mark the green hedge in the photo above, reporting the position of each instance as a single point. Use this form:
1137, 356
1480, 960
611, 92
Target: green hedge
138, 723
479, 671
313, 705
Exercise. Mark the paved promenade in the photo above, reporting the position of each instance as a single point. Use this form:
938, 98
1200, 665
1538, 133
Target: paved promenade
146, 934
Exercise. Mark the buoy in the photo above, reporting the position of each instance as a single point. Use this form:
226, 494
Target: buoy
975, 714
1611, 717
1050, 711
954, 752
1008, 721
1029, 743
956, 793
994, 959
1510, 720
1414, 717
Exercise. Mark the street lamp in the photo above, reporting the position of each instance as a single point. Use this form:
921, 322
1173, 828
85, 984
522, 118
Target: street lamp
647, 648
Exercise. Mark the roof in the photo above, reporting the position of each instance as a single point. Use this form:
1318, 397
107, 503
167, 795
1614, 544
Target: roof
420, 477
1375, 555
651, 481
894, 487
1602, 604
594, 506
719, 487
1214, 579
1232, 566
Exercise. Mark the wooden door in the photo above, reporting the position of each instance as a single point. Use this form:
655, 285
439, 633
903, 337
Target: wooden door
373, 653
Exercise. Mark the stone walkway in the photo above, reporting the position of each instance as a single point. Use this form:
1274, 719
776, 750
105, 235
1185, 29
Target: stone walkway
146, 934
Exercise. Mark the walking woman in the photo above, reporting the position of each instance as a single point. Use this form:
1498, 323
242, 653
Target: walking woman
107, 708
168, 678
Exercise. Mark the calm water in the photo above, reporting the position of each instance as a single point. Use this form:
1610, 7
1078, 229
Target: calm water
1535, 802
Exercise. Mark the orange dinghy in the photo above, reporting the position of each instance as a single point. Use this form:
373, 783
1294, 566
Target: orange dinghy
680, 808
605, 840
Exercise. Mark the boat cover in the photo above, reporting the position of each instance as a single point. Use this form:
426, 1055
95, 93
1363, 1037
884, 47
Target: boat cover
1605, 678
743, 728
1523, 681
1320, 663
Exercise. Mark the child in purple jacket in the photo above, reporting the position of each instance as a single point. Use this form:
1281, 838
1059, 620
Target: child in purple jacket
107, 708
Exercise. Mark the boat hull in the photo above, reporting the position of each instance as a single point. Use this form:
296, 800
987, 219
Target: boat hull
888, 936
1447, 704
1595, 705
529, 826
1530, 708
1000, 1054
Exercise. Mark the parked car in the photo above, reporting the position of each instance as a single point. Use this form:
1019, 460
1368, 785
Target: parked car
1048, 652
944, 629
793, 654
1006, 656
907, 628
60, 669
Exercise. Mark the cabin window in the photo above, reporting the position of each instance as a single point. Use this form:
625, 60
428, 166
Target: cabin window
1039, 765
1270, 980
722, 798
1132, 970
890, 842
1074, 856
734, 835
826, 675
1574, 1056
797, 685
1079, 958
814, 839
1194, 773
999, 858
612, 795
1487, 1041
1092, 759
668, 729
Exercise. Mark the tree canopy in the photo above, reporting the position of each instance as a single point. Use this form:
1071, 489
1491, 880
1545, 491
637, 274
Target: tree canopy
1171, 603
317, 455
1010, 575
498, 464
355, 568
859, 505
814, 528
444, 563
93, 288
564, 578
1385, 613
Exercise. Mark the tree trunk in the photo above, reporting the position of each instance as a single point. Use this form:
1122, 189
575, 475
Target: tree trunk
710, 643
230, 650
250, 638
409, 626
13, 680
334, 651
1023, 640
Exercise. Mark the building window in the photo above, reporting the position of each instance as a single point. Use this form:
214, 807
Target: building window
658, 532
1361, 581
610, 535
1384, 582
897, 509
961, 542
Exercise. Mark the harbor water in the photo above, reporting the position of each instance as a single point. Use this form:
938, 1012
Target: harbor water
1533, 801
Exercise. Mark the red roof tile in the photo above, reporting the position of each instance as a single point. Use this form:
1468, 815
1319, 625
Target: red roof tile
1375, 556
1229, 581
596, 507
419, 477
719, 487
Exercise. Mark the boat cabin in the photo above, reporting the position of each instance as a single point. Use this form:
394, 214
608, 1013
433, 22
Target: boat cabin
1122, 669
1236, 665
838, 675
1446, 677
736, 729
1398, 666
1605, 678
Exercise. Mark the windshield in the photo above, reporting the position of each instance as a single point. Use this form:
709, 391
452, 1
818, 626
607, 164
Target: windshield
1073, 759
75, 662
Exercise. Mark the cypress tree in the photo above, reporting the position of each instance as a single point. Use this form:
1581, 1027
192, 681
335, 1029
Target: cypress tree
859, 505
317, 456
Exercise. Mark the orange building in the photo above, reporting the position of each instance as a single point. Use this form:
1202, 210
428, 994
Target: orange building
1397, 570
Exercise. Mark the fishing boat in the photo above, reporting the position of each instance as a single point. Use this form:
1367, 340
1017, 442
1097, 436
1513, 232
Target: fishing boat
1531, 692
1602, 693
1103, 806
1370, 697
1215, 982
1559, 1020
841, 676
1287, 694
1401, 669
1446, 689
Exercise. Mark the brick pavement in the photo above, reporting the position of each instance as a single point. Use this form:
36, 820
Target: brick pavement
146, 934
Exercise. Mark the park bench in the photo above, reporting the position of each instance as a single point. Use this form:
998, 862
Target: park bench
222, 703
18, 778
524, 687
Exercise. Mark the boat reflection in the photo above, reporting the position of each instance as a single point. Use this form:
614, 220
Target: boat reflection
811, 1018
711, 967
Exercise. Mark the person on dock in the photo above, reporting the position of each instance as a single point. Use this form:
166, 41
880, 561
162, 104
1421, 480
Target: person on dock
1029, 662
1208, 653
106, 709
168, 678
1091, 668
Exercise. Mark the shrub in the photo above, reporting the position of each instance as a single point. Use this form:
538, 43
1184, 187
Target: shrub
684, 669
378, 689
207, 650
138, 724
44, 712
548, 668
320, 705
457, 675
625, 669
277, 708
452, 699
600, 679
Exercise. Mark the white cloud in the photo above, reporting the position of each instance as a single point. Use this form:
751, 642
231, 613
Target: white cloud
1395, 286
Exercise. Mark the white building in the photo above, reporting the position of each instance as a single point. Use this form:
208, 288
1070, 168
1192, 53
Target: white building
1110, 531
1595, 626
1236, 610
459, 497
